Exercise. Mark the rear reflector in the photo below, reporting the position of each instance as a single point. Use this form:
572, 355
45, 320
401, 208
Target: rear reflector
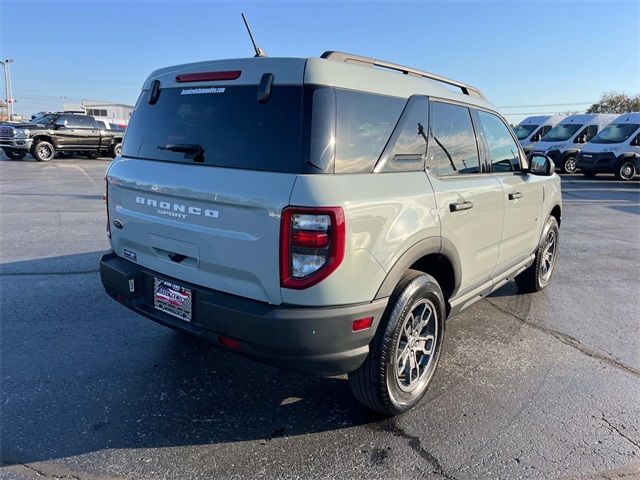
362, 324
229, 342
310, 239
208, 76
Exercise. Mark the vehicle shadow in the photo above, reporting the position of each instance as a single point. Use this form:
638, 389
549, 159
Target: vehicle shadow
80, 373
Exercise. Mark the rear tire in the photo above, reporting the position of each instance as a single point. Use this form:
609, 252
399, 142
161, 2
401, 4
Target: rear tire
404, 353
626, 170
538, 275
569, 164
92, 155
43, 151
15, 154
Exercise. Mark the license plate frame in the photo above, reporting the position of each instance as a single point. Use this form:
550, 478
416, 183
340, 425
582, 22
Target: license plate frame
173, 299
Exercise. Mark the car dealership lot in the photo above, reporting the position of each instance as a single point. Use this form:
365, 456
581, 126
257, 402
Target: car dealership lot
529, 386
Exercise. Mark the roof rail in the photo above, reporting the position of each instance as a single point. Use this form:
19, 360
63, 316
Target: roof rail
372, 62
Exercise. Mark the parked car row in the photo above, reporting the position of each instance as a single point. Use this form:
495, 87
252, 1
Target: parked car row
62, 133
591, 143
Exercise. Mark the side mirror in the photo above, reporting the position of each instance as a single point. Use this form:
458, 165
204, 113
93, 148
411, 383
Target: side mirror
635, 142
581, 139
32, 117
541, 165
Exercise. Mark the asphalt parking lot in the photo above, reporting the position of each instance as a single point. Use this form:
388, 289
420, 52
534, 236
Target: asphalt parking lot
529, 386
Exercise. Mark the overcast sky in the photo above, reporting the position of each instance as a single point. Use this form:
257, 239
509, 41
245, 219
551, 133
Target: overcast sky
528, 57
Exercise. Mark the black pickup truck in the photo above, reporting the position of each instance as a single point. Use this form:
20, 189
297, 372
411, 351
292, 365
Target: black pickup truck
59, 132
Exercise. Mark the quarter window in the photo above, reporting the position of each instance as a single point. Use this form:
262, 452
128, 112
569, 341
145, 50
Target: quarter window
452, 147
364, 123
503, 151
407, 148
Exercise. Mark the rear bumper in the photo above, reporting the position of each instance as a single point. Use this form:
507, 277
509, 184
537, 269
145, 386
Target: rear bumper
316, 340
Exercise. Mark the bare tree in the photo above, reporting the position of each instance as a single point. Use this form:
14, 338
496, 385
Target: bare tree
614, 102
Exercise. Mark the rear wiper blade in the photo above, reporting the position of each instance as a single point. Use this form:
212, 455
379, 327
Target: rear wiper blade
191, 150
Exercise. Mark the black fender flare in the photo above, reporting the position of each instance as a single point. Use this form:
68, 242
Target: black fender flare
427, 246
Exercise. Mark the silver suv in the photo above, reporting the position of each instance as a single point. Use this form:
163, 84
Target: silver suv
324, 214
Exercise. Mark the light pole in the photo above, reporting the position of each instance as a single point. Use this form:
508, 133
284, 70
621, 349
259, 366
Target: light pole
7, 85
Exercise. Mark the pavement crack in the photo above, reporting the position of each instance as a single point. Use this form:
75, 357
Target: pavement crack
41, 473
416, 445
571, 341
613, 428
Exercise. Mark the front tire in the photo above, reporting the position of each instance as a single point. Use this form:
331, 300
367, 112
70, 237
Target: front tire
404, 353
538, 275
569, 165
43, 151
626, 170
15, 154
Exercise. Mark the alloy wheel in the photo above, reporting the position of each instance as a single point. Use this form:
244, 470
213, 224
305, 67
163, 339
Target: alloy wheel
548, 256
415, 348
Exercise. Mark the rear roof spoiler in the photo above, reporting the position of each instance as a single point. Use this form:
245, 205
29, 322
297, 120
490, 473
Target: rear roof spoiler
372, 62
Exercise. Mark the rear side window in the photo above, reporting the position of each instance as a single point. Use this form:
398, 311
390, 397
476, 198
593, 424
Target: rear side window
363, 126
229, 124
503, 151
452, 149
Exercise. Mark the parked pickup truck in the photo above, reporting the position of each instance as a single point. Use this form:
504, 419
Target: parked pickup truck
67, 132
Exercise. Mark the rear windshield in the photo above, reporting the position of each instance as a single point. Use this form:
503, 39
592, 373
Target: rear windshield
523, 131
561, 132
312, 129
228, 124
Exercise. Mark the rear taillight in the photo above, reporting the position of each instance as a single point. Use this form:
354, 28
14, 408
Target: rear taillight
105, 199
312, 244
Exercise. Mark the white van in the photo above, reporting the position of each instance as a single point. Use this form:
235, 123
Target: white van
563, 142
616, 149
532, 129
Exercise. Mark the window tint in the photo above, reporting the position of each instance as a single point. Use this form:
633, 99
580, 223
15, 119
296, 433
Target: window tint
363, 126
231, 126
70, 121
408, 145
101, 124
82, 121
503, 151
592, 130
452, 148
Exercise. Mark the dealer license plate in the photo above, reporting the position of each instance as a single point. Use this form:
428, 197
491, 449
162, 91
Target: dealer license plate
173, 299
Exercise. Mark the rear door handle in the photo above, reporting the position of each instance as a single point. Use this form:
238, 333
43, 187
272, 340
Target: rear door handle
460, 206
515, 195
